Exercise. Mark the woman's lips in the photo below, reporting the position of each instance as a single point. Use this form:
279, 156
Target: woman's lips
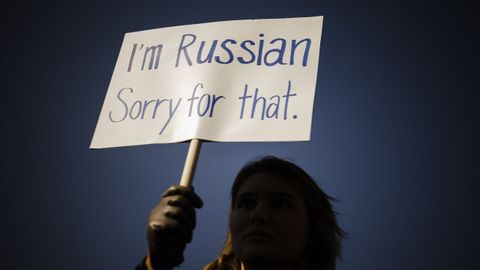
257, 234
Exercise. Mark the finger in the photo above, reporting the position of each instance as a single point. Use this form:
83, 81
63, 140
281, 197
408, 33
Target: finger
186, 233
182, 217
185, 191
184, 213
177, 205
169, 217
188, 192
171, 232
183, 203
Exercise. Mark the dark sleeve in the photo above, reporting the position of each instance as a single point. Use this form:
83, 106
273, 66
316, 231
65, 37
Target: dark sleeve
141, 265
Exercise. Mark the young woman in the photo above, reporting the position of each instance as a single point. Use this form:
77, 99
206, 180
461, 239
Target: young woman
279, 219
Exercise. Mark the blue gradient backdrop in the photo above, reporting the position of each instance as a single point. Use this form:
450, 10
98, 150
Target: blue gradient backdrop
395, 134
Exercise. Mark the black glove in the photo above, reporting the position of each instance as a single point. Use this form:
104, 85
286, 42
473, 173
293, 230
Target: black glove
170, 226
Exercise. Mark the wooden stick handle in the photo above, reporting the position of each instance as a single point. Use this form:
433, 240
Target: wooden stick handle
190, 162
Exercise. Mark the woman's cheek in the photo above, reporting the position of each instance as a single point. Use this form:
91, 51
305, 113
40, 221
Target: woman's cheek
236, 222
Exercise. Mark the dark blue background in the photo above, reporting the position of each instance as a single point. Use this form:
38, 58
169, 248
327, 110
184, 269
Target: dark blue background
395, 134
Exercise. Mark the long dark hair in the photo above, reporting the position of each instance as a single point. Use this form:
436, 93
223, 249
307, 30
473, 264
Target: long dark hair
326, 233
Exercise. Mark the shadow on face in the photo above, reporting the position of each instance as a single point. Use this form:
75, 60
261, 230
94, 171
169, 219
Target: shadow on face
269, 222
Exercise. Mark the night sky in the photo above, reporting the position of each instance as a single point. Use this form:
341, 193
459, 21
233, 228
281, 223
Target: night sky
395, 134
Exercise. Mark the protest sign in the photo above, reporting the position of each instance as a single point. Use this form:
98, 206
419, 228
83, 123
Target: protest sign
247, 80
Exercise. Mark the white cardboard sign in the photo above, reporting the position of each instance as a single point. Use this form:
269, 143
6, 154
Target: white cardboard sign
247, 80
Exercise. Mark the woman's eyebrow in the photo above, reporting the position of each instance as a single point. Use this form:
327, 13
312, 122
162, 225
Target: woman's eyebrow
246, 194
273, 194
284, 194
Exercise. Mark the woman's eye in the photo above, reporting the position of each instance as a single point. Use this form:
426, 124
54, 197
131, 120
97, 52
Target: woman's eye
246, 204
280, 203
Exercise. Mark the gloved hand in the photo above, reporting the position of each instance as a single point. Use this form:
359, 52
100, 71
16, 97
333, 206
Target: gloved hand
170, 226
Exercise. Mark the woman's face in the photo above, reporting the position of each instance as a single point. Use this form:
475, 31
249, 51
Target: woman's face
269, 221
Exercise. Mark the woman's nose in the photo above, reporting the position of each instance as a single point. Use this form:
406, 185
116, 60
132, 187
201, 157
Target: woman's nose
260, 215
